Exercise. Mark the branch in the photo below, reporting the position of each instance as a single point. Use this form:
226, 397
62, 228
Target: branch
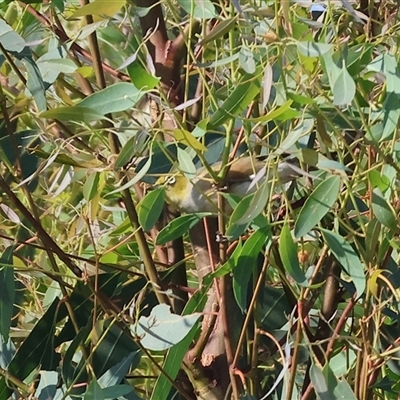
64, 38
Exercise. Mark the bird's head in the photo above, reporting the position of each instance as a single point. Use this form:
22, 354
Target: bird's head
177, 189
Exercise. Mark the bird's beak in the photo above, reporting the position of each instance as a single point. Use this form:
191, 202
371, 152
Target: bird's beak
159, 183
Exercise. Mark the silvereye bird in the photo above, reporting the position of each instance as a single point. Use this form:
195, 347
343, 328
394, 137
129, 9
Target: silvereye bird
244, 177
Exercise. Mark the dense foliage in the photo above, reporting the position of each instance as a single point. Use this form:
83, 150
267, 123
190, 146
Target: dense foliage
107, 292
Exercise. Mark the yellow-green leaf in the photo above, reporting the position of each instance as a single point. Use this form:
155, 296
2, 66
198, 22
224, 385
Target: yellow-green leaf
91, 186
244, 93
185, 137
100, 8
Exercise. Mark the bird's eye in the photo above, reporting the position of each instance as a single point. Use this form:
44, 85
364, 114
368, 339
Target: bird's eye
171, 180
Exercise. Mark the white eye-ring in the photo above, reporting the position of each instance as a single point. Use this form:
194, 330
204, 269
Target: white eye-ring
171, 180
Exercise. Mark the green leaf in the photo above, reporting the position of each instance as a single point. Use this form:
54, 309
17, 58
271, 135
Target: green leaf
344, 89
313, 49
331, 68
234, 230
319, 383
244, 268
10, 39
150, 208
141, 78
327, 386
241, 208
63, 65
59, 4
119, 97
122, 228
179, 226
272, 308
172, 364
228, 266
35, 82
342, 362
347, 257
387, 65
79, 160
126, 154
274, 114
219, 31
288, 253
199, 9
258, 201
139, 175
317, 205
116, 373
91, 186
94, 391
100, 7
372, 240
162, 329
54, 62
69, 369
72, 113
117, 391
186, 165
301, 129
220, 61
185, 137
47, 386
238, 100
173, 359
342, 390
331, 165
246, 59
300, 99
35, 351
18, 147
383, 211
7, 292
391, 108
111, 346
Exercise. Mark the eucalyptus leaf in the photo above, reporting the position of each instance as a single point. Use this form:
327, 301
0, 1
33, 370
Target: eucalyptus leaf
245, 267
35, 82
219, 30
116, 373
10, 39
47, 386
317, 205
94, 391
139, 175
186, 165
258, 201
91, 186
288, 252
175, 355
126, 154
162, 329
313, 49
7, 293
238, 100
150, 208
141, 78
199, 9
347, 257
344, 89
179, 226
120, 96
99, 8
383, 211
72, 113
